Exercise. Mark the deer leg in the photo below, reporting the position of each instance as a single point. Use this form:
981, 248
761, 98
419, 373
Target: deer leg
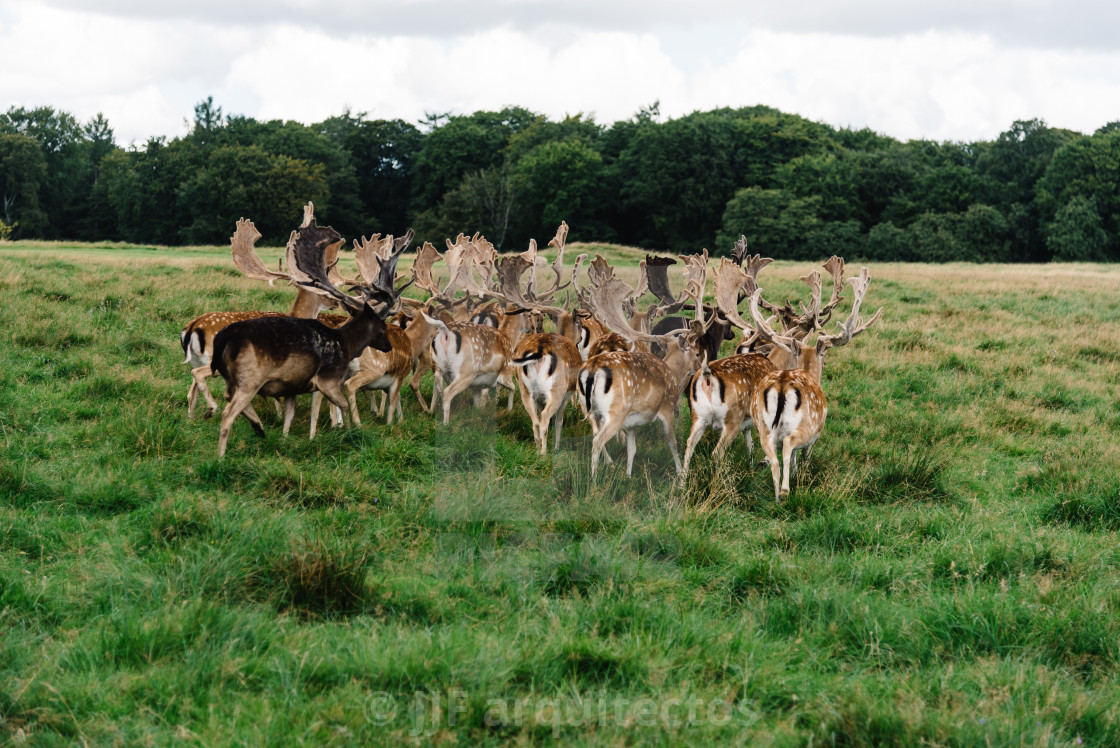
192, 398
788, 452
254, 420
558, 421
667, 426
605, 433
199, 375
553, 408
631, 448
397, 400
289, 412
316, 401
531, 408
725, 438
352, 385
694, 436
236, 404
448, 396
389, 401
332, 390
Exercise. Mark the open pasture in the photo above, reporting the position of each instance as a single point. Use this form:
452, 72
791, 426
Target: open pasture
945, 572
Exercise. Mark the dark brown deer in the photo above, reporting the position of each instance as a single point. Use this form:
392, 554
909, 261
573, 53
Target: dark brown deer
285, 356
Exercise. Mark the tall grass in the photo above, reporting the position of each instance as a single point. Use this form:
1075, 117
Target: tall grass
945, 571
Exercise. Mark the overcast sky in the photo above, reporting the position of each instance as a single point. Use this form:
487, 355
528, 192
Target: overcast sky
946, 70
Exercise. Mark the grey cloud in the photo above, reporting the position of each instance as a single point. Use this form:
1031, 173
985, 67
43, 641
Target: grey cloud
1087, 24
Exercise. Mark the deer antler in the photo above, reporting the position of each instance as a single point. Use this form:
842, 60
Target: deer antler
307, 262
307, 252
763, 330
853, 325
368, 251
606, 302
739, 251
557, 265
422, 268
657, 269
245, 256
731, 285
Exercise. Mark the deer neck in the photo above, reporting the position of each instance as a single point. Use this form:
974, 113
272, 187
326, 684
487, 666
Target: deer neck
359, 331
307, 305
420, 334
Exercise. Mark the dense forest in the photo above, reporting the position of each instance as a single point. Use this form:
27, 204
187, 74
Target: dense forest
797, 189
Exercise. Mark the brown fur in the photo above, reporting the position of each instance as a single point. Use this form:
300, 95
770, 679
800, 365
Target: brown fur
643, 388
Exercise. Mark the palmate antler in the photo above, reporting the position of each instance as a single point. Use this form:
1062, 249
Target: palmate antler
306, 259
853, 325
242, 245
422, 276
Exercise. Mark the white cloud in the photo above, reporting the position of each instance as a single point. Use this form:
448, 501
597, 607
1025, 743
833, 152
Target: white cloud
146, 64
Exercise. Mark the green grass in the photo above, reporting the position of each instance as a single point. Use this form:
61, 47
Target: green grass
945, 572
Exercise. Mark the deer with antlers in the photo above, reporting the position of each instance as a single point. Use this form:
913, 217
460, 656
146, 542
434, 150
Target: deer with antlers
197, 337
722, 393
375, 370
789, 407
621, 390
476, 356
286, 356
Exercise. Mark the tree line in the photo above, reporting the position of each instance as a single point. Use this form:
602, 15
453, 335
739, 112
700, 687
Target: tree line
797, 189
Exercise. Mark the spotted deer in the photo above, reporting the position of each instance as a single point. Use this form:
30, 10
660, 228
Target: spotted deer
789, 406
621, 390
197, 337
287, 356
547, 366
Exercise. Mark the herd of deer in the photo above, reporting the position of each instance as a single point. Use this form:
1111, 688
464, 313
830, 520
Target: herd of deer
482, 327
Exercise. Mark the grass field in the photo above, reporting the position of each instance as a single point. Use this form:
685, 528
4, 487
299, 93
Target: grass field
945, 572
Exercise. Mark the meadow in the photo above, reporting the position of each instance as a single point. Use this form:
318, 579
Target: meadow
946, 570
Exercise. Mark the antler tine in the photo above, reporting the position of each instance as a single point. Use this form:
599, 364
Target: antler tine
696, 273
245, 256
557, 265
739, 250
835, 268
755, 263
330, 256
308, 214
306, 260
853, 325
384, 287
763, 329
366, 253
643, 281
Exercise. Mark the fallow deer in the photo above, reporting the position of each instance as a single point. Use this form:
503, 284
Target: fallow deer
197, 337
789, 407
622, 390
548, 366
286, 356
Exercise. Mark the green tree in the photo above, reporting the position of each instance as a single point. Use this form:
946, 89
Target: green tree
1088, 167
1077, 233
383, 154
559, 181
462, 145
23, 170
776, 223
248, 181
62, 143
